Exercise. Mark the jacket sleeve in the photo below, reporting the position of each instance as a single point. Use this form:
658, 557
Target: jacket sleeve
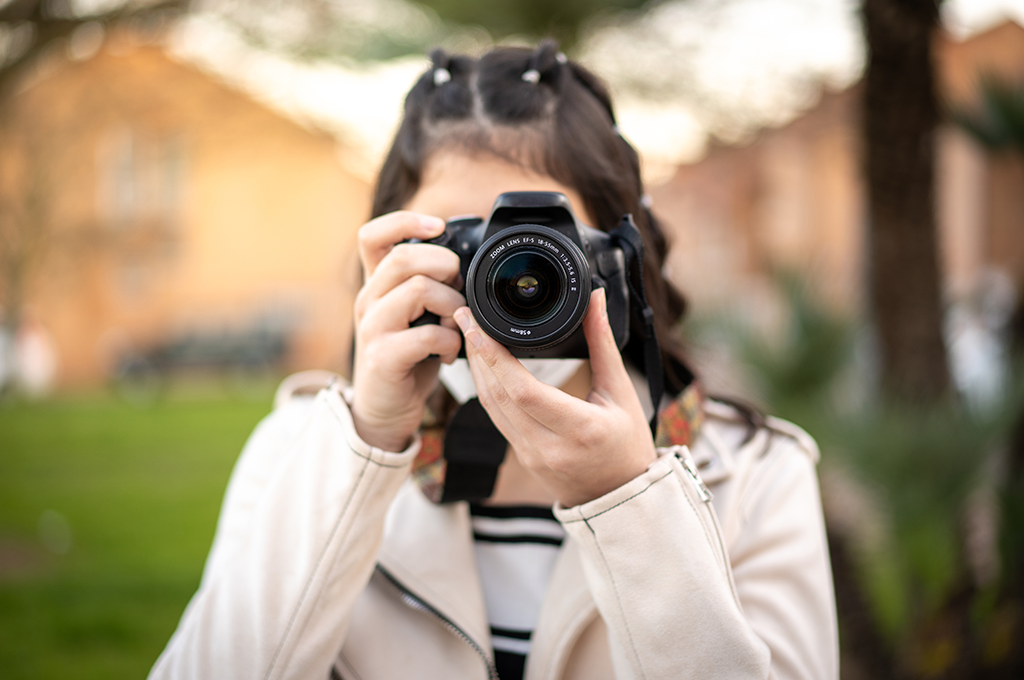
296, 543
679, 604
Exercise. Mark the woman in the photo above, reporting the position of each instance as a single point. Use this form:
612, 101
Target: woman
667, 561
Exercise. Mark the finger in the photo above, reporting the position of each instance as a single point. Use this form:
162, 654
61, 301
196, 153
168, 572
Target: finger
610, 379
404, 262
409, 301
512, 433
491, 394
379, 235
525, 400
397, 353
449, 322
410, 259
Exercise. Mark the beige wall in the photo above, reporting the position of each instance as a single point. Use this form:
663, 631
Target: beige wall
237, 212
793, 199
789, 202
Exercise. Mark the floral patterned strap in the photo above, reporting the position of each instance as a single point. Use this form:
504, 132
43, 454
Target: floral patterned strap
430, 467
679, 422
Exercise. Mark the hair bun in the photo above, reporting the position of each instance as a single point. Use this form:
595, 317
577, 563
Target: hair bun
543, 62
441, 62
439, 58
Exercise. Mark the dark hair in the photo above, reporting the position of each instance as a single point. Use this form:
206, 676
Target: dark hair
537, 109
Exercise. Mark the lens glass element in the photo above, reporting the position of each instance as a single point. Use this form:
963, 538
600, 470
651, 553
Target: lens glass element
527, 287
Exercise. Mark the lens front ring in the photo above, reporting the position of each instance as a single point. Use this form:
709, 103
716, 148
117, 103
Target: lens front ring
529, 287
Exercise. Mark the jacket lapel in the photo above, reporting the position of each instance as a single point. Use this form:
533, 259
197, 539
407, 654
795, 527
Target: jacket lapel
429, 549
567, 609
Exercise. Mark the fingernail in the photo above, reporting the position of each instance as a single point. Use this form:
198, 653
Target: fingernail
461, 317
469, 329
432, 225
604, 304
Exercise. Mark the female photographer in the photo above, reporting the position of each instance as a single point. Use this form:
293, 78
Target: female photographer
698, 552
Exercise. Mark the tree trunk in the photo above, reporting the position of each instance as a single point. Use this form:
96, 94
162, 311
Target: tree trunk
900, 116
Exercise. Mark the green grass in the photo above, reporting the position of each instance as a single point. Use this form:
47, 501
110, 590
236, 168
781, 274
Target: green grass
140, 490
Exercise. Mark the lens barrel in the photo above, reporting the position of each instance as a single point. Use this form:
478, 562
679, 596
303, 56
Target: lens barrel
529, 287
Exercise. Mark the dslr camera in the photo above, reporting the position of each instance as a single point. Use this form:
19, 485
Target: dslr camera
529, 269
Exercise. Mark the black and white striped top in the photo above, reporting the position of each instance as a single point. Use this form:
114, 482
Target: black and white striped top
516, 548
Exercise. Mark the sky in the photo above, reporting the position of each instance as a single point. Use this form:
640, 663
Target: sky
683, 71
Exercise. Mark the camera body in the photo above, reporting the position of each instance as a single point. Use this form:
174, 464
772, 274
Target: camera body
529, 269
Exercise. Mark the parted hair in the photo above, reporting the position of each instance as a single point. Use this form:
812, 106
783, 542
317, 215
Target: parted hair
539, 110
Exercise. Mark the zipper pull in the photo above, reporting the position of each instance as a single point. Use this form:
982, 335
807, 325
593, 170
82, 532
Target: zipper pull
691, 469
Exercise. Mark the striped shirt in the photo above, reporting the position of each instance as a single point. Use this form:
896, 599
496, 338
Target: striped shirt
516, 548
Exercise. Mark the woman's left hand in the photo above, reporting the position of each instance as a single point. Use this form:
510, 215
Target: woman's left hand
579, 450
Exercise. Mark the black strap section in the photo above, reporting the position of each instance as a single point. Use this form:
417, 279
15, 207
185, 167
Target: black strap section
510, 665
519, 539
473, 450
512, 511
627, 237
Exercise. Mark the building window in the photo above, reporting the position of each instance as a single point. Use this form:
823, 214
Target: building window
140, 179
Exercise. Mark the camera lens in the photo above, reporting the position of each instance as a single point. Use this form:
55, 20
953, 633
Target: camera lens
527, 287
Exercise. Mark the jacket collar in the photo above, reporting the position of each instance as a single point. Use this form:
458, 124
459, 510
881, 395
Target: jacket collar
428, 547
712, 456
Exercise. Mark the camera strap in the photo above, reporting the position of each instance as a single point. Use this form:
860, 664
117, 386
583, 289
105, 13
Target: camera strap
627, 236
459, 460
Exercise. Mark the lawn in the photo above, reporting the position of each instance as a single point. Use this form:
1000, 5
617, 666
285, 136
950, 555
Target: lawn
107, 511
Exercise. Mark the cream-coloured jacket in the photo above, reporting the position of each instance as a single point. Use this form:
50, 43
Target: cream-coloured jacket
329, 562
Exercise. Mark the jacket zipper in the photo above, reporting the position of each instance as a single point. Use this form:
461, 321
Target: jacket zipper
691, 469
414, 601
686, 460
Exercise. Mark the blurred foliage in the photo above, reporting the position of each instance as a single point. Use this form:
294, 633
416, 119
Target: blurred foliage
138, 491
383, 29
998, 121
916, 469
28, 28
803, 361
529, 18
921, 466
332, 30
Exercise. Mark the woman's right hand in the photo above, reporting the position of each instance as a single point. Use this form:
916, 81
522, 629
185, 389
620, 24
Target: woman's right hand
392, 374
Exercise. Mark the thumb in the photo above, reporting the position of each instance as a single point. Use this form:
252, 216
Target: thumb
609, 374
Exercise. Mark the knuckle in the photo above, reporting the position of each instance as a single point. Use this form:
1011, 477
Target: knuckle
433, 335
442, 340
368, 353
487, 400
521, 394
557, 461
361, 303
501, 398
402, 255
489, 357
588, 433
418, 286
366, 238
365, 233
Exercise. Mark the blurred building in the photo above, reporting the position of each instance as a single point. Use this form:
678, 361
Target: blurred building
793, 199
162, 206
